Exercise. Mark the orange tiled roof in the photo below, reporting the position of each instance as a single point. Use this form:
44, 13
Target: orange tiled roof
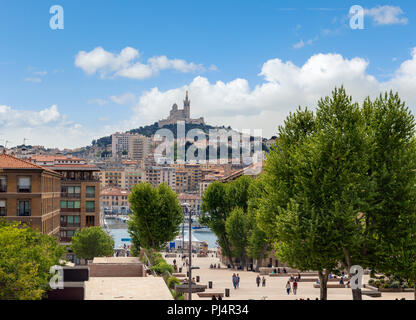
10, 162
114, 192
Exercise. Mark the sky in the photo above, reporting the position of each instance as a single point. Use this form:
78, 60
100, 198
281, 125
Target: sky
119, 65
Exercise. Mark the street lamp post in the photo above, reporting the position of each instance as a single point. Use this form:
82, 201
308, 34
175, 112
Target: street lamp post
190, 255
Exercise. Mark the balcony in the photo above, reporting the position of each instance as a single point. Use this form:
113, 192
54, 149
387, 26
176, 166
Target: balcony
23, 189
90, 195
90, 209
71, 195
70, 225
70, 209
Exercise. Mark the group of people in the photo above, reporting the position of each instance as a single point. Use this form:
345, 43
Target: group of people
263, 281
293, 287
236, 280
214, 266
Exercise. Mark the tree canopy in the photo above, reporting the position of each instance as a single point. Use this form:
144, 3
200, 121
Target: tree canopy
92, 242
156, 216
26, 256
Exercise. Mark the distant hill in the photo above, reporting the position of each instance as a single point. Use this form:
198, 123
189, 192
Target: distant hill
150, 130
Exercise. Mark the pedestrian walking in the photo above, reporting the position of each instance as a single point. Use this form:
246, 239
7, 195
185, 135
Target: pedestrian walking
234, 281
258, 281
263, 282
238, 280
295, 287
288, 287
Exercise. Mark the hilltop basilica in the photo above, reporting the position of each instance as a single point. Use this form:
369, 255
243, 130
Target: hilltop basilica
181, 114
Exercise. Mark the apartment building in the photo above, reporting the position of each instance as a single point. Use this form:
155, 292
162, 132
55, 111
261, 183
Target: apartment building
138, 147
115, 200
80, 195
193, 200
30, 193
188, 177
156, 175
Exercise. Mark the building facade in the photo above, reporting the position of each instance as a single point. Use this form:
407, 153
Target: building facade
30, 193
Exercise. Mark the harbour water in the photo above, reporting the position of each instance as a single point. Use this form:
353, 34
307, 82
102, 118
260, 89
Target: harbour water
118, 231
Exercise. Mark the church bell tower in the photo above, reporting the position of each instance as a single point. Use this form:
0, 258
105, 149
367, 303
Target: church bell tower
187, 106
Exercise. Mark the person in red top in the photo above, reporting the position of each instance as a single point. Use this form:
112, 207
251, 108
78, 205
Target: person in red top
295, 287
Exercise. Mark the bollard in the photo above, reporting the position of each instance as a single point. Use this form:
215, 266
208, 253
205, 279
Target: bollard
197, 278
210, 284
227, 292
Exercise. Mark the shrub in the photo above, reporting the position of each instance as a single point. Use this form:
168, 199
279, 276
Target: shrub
158, 260
377, 283
162, 268
395, 284
371, 282
172, 281
386, 285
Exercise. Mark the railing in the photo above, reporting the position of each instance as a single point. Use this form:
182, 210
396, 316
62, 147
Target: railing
70, 209
90, 195
90, 209
65, 239
70, 195
70, 225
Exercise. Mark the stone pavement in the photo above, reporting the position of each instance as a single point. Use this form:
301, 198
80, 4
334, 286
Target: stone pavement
275, 286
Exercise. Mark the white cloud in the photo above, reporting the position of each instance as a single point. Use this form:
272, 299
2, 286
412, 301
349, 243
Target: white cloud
384, 15
47, 127
125, 64
124, 98
285, 87
99, 101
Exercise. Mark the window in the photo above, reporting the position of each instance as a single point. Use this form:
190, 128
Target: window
90, 220
3, 184
77, 204
23, 184
90, 206
3, 208
23, 208
63, 205
90, 192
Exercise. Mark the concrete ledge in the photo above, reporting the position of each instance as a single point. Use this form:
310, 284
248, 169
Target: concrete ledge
210, 294
330, 285
71, 291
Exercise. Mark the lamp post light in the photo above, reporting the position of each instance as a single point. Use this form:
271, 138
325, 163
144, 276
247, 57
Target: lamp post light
190, 255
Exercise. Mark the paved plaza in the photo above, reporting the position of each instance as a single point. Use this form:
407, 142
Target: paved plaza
275, 286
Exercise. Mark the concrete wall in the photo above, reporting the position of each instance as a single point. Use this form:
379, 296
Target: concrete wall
116, 270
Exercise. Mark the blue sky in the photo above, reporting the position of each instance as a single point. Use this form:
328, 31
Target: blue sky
245, 63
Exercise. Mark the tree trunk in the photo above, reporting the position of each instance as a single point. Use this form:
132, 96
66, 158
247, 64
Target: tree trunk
356, 293
261, 257
323, 279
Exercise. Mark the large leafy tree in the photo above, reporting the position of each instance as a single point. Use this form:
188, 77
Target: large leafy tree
236, 227
341, 184
294, 212
259, 245
390, 217
25, 259
156, 216
92, 242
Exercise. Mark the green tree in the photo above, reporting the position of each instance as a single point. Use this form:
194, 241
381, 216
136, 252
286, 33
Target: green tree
258, 243
217, 203
25, 259
236, 227
156, 216
92, 242
313, 179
